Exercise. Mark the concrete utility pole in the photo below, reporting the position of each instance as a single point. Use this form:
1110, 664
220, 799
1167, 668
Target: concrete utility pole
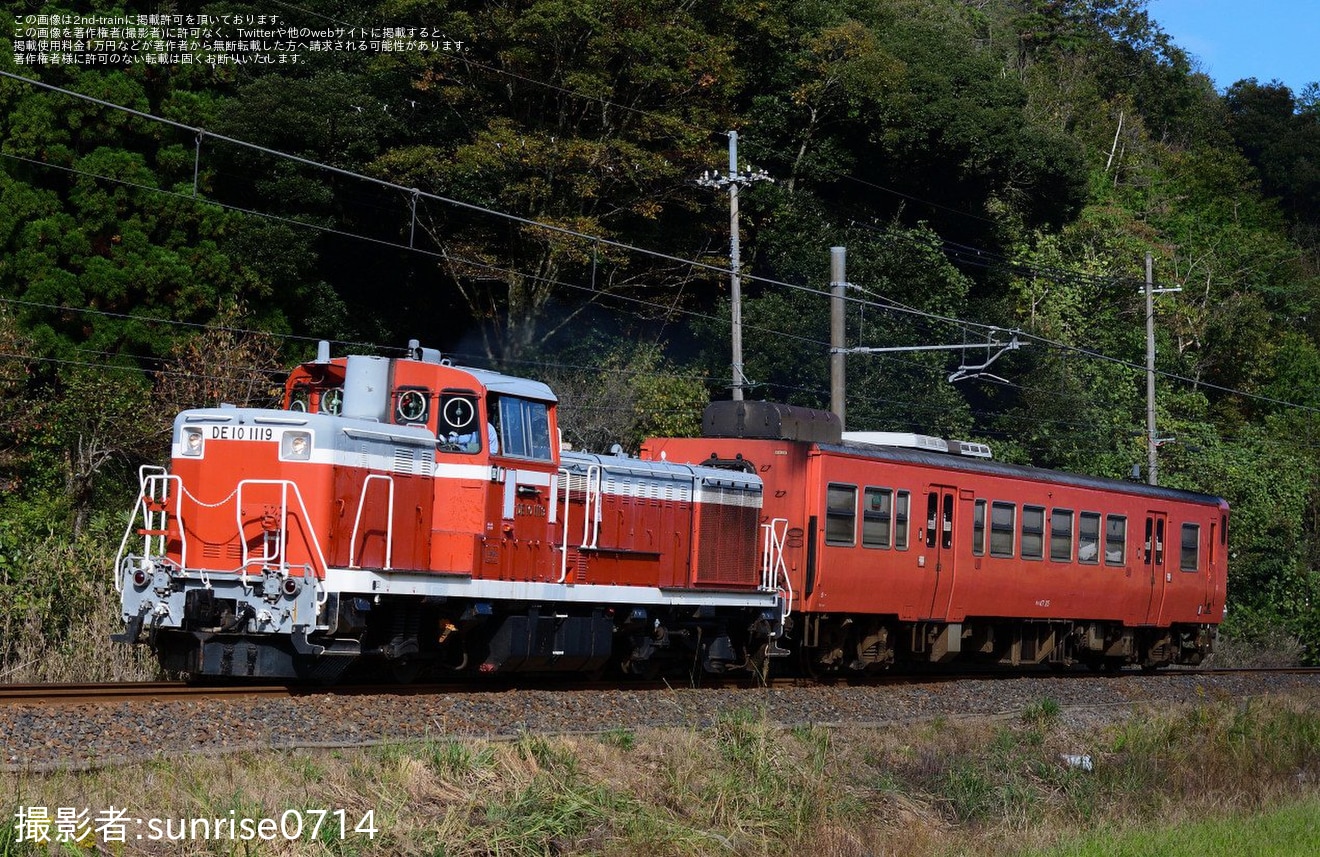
1152, 442
838, 282
1152, 439
732, 181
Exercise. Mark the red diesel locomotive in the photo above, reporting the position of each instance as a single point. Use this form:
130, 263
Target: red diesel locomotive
415, 515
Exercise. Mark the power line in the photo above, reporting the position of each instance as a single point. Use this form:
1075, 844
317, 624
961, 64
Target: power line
597, 240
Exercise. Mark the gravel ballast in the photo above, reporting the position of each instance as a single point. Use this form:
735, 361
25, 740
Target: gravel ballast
81, 736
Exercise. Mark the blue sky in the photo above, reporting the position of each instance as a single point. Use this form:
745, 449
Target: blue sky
1236, 39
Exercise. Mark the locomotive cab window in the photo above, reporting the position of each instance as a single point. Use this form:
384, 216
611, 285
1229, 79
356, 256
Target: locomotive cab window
1191, 547
301, 398
877, 517
522, 427
412, 406
840, 514
1002, 518
1033, 532
460, 430
332, 401
1115, 539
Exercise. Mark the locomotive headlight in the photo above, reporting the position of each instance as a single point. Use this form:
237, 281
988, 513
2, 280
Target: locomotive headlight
192, 442
296, 446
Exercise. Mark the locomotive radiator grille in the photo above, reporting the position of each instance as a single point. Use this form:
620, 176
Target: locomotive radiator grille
726, 531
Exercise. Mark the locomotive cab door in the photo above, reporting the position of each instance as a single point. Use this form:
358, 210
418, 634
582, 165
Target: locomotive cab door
1154, 559
938, 543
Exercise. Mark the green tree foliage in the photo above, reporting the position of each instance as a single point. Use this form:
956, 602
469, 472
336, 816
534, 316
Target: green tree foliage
629, 391
587, 116
1280, 135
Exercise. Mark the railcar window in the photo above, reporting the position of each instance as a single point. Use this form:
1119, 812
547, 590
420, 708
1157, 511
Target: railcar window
1115, 539
840, 514
932, 517
1159, 541
1088, 538
902, 503
978, 528
946, 540
1002, 519
1191, 547
1033, 532
1061, 533
877, 517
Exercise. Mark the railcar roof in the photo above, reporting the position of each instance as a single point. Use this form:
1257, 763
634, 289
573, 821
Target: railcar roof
1019, 471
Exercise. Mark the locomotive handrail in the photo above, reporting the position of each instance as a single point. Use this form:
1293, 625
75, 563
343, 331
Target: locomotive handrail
590, 533
564, 477
149, 475
284, 485
772, 561
389, 521
592, 504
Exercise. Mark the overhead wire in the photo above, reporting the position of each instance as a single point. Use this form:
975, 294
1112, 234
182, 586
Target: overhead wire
597, 240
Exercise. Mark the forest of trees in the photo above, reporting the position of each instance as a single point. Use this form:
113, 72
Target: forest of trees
528, 201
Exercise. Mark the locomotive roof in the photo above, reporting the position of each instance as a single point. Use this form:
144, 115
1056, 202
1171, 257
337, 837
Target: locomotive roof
510, 385
1019, 471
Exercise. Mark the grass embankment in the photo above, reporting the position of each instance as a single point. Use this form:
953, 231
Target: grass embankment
60, 610
744, 786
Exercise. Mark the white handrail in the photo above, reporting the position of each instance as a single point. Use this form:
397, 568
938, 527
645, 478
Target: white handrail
590, 533
389, 521
564, 477
773, 568
284, 485
145, 472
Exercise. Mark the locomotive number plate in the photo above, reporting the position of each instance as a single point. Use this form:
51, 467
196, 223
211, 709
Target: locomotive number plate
242, 433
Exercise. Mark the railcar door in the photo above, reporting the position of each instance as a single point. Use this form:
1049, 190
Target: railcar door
1154, 561
938, 541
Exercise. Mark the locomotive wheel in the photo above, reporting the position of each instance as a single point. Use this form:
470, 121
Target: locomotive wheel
404, 670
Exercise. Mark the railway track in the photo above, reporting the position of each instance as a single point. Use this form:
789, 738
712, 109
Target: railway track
101, 693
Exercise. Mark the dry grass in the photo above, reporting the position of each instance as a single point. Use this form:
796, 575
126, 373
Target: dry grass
61, 610
742, 786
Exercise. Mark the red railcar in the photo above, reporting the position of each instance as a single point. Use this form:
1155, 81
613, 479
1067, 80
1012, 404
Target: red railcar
922, 553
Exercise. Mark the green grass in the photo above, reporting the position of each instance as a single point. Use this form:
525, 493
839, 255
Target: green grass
1287, 832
